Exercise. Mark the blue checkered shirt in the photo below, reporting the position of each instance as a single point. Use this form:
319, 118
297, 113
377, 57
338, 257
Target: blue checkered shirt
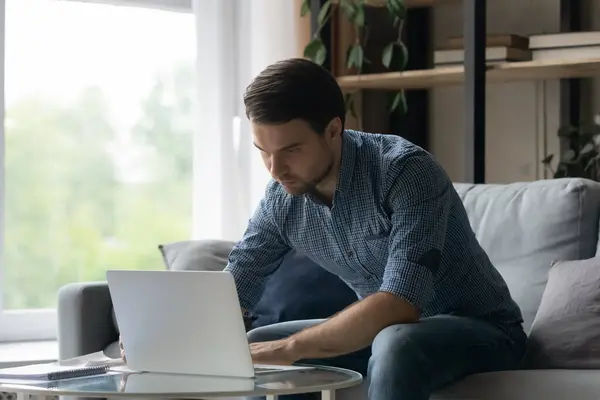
397, 225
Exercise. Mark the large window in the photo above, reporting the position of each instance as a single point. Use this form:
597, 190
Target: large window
97, 148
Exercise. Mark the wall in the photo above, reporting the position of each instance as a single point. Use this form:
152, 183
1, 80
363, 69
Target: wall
521, 117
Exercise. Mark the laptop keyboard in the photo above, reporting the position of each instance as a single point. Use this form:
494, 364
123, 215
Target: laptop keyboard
265, 369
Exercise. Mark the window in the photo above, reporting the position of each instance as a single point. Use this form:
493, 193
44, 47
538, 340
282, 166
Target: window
98, 133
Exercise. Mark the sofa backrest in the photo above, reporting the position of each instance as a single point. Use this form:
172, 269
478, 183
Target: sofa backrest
525, 226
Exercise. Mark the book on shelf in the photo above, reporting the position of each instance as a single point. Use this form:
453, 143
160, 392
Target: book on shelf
491, 40
493, 55
566, 46
564, 40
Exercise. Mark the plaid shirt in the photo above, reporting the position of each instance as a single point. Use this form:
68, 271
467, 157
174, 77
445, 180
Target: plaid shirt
397, 225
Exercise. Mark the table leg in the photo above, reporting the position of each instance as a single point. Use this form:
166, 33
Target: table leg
328, 395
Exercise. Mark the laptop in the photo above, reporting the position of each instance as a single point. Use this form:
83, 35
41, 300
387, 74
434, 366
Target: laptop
183, 322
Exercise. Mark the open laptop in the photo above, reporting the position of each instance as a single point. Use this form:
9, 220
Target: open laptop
184, 322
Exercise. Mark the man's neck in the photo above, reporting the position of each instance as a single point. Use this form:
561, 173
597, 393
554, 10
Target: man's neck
325, 190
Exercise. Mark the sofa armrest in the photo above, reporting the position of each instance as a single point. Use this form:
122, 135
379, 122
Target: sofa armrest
85, 323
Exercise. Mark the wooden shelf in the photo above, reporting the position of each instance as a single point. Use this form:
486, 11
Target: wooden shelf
445, 76
408, 3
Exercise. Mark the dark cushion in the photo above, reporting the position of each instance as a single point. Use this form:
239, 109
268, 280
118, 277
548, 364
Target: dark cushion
298, 289
301, 289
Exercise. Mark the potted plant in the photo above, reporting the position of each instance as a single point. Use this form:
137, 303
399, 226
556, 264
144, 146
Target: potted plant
582, 157
394, 56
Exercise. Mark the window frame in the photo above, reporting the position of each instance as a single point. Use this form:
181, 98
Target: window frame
41, 324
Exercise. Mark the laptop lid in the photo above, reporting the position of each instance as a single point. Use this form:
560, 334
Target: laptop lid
187, 322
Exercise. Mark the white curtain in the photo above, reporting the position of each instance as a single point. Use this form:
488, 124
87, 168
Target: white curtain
236, 39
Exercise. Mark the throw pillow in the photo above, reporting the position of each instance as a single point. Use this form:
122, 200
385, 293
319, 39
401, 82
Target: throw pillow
566, 329
301, 289
196, 255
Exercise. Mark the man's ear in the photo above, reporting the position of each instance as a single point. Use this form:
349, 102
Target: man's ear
334, 128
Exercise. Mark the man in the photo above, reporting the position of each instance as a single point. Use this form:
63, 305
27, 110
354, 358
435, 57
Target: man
381, 213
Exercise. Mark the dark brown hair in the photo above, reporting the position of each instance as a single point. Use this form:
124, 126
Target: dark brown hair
295, 88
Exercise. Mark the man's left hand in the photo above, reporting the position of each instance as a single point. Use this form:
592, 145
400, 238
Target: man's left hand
277, 352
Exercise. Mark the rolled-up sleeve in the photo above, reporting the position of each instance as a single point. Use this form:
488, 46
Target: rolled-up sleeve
419, 198
257, 255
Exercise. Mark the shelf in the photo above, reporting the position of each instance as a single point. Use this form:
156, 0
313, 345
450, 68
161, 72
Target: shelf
445, 76
408, 3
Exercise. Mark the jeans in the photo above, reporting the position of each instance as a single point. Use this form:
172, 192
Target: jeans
411, 361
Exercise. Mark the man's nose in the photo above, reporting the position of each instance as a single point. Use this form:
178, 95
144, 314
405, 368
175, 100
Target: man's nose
277, 166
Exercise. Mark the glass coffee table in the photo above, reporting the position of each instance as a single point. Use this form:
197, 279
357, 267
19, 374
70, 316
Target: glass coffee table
134, 384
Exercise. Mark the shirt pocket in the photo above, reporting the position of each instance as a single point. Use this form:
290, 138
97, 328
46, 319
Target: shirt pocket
375, 251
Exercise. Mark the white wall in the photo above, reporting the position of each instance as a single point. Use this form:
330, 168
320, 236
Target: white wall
522, 118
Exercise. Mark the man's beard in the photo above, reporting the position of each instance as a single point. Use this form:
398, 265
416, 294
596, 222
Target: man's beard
311, 186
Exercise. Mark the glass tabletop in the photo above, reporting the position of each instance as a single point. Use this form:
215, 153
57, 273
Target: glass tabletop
115, 384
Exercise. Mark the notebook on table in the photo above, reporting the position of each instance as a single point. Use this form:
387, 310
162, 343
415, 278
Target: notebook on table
51, 371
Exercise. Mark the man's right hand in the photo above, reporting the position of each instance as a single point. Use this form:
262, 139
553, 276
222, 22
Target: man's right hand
122, 349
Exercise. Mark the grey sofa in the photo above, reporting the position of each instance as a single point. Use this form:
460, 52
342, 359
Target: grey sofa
523, 226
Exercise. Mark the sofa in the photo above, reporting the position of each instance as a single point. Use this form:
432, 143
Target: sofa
539, 235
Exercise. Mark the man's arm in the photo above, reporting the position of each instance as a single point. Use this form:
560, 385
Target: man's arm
419, 201
257, 255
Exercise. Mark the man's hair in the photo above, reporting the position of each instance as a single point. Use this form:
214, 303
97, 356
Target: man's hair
295, 88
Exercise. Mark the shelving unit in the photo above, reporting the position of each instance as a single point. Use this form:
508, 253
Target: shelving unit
475, 73
445, 76
408, 3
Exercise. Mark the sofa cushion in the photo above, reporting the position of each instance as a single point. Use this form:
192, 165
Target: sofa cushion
566, 330
525, 385
510, 385
298, 289
525, 226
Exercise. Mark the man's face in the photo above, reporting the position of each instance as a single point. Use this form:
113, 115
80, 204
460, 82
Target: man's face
295, 155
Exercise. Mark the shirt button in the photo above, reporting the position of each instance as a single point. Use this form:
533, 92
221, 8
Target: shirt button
350, 253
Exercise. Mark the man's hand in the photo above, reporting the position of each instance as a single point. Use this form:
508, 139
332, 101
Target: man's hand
352, 329
122, 349
278, 352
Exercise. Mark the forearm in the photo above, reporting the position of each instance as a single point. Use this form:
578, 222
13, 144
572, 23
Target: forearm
354, 328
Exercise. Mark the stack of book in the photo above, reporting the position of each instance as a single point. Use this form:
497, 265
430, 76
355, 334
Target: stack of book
565, 46
499, 49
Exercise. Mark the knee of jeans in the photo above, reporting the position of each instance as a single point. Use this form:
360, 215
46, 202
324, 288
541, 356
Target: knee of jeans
262, 334
395, 345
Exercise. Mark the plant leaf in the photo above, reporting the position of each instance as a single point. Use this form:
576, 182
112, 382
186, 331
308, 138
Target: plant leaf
356, 57
386, 57
567, 130
397, 8
359, 16
316, 51
548, 159
589, 164
569, 155
399, 103
349, 103
588, 148
324, 13
349, 8
305, 8
395, 56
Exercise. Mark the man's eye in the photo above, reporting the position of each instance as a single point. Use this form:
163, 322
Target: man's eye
293, 150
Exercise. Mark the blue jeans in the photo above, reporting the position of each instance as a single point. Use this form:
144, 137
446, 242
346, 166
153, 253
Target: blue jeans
411, 361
